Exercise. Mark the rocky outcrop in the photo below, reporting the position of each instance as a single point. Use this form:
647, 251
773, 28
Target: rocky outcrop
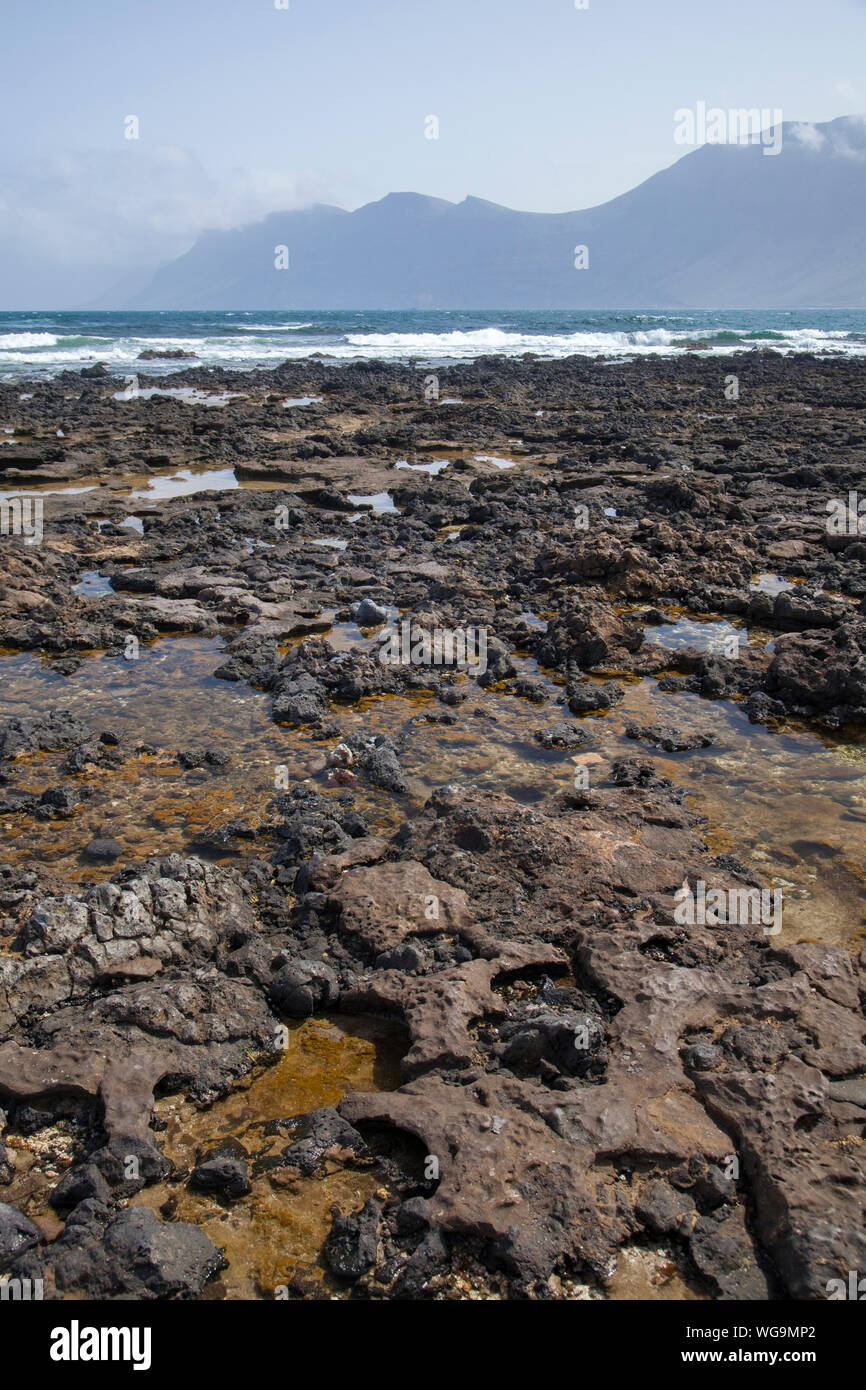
581, 1069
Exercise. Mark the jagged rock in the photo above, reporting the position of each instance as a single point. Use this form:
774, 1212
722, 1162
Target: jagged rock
664, 1211
562, 735
226, 1177
79, 1185
351, 1247
131, 1254
368, 614
304, 987
103, 850
383, 903
316, 1134
17, 1235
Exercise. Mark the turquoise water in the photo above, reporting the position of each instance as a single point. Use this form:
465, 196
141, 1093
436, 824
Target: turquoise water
43, 344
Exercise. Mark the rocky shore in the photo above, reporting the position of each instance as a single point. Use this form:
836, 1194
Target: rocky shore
585, 1078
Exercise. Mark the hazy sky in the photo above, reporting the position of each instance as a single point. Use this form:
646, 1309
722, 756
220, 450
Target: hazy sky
245, 108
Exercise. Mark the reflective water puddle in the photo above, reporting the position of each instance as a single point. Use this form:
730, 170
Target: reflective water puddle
789, 803
379, 501
187, 394
93, 584
437, 466
184, 483
276, 1232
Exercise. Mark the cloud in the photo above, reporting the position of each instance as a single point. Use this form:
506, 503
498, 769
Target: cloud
844, 139
809, 135
131, 208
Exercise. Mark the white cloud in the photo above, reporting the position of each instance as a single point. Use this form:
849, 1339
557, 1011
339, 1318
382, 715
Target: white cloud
846, 143
809, 135
133, 207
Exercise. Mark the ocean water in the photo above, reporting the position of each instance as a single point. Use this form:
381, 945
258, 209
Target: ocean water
44, 343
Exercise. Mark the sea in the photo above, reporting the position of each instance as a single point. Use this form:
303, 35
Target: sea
43, 344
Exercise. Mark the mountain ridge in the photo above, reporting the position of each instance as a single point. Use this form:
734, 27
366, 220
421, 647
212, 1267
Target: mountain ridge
723, 227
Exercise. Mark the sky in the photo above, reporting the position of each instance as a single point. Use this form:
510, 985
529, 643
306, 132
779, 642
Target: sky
244, 108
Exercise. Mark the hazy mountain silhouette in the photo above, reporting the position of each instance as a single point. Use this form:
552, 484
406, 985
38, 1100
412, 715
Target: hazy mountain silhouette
727, 226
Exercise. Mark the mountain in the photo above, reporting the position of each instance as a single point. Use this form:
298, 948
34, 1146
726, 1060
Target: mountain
726, 226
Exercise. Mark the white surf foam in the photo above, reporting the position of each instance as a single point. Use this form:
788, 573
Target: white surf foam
273, 327
11, 341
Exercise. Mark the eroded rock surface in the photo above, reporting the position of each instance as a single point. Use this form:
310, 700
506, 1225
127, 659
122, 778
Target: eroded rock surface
581, 1070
